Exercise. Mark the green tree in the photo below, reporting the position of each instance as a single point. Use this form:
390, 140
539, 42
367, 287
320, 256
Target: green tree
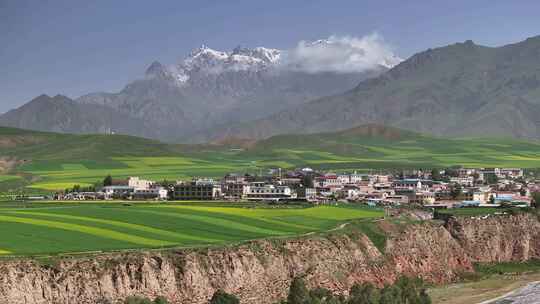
137, 300
455, 192
424, 297
390, 294
364, 293
107, 181
298, 292
320, 293
221, 297
76, 188
491, 178
161, 300
410, 289
453, 172
307, 181
536, 199
436, 175
324, 296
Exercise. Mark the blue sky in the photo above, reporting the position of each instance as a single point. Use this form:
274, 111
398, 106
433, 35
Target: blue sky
75, 47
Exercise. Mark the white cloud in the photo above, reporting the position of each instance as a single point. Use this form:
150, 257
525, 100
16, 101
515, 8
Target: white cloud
342, 54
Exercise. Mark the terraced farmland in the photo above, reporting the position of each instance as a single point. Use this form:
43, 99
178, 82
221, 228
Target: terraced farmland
65, 228
58, 161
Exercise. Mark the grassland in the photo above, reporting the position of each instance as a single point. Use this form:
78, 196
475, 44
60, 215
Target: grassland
56, 161
65, 227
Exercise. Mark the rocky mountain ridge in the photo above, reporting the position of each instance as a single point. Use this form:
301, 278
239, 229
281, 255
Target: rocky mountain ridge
205, 89
462, 89
260, 271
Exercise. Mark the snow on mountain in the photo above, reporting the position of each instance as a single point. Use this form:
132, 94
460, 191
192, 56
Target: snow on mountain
209, 61
335, 54
210, 88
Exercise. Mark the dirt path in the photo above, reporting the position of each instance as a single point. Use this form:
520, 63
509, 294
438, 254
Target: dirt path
529, 294
484, 291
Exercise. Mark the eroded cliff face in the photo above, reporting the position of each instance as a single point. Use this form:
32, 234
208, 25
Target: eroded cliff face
261, 271
498, 238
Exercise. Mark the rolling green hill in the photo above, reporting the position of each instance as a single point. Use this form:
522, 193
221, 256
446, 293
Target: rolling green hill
55, 161
110, 226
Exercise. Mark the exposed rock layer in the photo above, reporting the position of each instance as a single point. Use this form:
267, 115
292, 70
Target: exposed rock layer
260, 272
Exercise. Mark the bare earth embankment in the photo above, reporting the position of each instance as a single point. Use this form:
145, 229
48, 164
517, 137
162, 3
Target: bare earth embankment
261, 271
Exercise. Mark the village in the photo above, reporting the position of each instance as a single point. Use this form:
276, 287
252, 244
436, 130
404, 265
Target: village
445, 188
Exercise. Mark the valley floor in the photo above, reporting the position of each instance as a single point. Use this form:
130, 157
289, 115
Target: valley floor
483, 291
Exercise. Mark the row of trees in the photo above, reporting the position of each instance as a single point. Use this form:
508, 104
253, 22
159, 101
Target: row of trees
79, 188
536, 200
107, 181
404, 291
139, 300
219, 297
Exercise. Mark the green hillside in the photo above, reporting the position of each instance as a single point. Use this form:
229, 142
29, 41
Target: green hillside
52, 161
112, 226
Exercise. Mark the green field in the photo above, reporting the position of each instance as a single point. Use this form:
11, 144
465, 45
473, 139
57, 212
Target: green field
57, 161
65, 227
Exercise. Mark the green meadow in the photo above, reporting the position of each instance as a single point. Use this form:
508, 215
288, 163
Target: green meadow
52, 228
53, 161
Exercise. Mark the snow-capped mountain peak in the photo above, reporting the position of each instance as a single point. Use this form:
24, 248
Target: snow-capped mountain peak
335, 54
210, 61
265, 54
205, 52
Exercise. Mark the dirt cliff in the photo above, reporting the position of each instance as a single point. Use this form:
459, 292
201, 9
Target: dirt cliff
498, 238
260, 271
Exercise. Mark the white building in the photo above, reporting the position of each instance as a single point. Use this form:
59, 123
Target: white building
327, 181
467, 181
139, 184
351, 178
266, 192
117, 191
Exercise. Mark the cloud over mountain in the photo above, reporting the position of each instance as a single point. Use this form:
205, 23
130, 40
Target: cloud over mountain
342, 54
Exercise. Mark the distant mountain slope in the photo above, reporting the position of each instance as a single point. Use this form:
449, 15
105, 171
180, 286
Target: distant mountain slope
61, 114
209, 88
458, 90
48, 146
206, 89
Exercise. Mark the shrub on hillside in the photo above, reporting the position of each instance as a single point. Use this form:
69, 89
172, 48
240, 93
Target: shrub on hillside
221, 297
143, 300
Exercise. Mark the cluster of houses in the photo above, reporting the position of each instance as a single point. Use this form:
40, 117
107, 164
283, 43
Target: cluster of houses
436, 188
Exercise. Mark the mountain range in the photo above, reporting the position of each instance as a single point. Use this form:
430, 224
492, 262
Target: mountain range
462, 89
206, 89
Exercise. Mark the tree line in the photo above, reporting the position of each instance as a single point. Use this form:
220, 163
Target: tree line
404, 291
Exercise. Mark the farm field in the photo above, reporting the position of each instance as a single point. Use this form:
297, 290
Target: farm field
53, 228
50, 161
